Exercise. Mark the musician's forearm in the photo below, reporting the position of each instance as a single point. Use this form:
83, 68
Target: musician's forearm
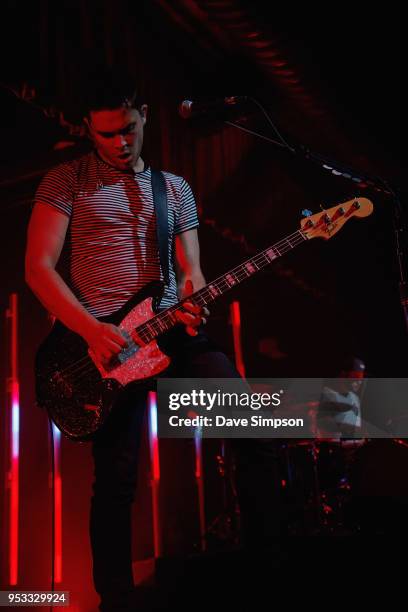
196, 278
58, 299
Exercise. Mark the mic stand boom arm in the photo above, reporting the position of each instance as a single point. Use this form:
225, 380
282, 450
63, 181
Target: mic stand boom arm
366, 181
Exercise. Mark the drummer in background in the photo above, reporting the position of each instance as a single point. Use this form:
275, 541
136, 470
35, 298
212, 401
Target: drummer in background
340, 403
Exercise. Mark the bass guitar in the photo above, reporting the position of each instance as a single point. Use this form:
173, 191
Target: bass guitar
79, 393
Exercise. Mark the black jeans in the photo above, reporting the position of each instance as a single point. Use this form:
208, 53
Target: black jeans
115, 453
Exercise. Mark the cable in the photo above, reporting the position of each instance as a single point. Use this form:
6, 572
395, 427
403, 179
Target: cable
241, 127
268, 118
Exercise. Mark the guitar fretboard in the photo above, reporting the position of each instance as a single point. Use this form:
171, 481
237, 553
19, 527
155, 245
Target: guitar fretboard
166, 319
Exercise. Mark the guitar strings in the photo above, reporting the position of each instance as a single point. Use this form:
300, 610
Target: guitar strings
85, 365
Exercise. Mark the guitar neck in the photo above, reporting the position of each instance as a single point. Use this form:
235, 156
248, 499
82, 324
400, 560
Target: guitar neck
166, 319
251, 266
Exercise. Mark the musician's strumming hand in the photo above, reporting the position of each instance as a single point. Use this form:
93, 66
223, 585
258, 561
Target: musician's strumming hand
192, 315
104, 340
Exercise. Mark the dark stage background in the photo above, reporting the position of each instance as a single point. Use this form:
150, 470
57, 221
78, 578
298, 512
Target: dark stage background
335, 87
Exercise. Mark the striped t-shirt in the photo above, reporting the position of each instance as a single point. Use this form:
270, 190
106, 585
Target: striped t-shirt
112, 237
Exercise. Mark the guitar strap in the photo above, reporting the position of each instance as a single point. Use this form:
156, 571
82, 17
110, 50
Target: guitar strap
160, 204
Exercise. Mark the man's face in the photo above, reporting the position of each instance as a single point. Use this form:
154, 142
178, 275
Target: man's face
357, 377
118, 135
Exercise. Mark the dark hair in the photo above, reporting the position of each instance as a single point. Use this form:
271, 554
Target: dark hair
107, 89
351, 363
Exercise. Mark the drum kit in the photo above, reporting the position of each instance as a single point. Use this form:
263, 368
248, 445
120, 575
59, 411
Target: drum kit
333, 485
316, 483
345, 487
340, 486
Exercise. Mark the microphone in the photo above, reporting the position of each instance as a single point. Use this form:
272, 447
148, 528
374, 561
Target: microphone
190, 108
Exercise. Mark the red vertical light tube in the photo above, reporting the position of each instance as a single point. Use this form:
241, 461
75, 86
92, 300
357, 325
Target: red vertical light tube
236, 332
13, 476
155, 471
57, 484
200, 484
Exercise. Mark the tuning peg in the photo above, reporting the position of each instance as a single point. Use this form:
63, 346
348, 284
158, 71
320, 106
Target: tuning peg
356, 204
326, 218
341, 210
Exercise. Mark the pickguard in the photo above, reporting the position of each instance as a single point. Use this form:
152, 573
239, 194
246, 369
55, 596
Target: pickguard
140, 361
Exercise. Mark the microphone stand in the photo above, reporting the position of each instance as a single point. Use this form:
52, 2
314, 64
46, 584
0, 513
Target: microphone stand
363, 180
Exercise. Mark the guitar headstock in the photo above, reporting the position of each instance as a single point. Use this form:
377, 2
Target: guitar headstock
328, 222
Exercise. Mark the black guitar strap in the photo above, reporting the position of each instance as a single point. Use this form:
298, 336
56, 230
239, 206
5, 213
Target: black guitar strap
160, 204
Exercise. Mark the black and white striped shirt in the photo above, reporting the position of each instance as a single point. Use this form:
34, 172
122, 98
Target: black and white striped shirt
112, 238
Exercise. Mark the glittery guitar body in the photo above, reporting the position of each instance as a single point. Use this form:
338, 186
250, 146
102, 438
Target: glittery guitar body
79, 393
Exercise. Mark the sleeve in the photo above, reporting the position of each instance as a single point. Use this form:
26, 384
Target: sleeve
333, 403
57, 189
187, 217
